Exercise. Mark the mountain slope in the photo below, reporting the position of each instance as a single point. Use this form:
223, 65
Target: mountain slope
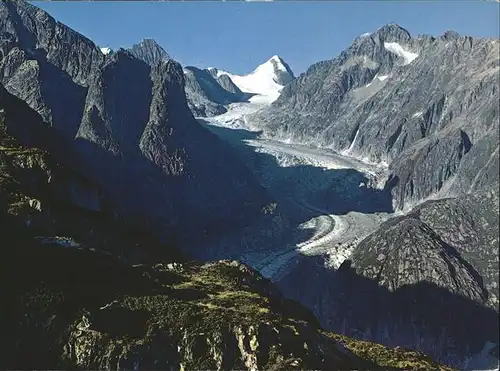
440, 262
426, 106
164, 313
130, 125
411, 281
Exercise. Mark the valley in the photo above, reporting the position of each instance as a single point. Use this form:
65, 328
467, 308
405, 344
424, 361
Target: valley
343, 218
331, 233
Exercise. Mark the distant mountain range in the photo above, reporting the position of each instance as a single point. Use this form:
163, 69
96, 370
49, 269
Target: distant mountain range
209, 91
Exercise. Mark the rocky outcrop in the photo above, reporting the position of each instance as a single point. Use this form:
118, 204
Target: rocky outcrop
439, 267
283, 73
126, 126
420, 104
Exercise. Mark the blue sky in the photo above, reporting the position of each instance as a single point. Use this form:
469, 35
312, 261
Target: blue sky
238, 36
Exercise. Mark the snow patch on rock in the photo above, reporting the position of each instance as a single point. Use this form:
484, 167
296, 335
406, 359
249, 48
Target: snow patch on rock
400, 52
106, 51
380, 78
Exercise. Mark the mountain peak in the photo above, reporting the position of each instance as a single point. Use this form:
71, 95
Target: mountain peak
148, 42
393, 32
149, 51
281, 72
276, 58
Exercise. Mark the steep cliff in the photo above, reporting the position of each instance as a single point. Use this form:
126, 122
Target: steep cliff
131, 127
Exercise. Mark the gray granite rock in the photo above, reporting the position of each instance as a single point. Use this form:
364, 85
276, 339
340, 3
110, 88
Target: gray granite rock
149, 51
228, 84
420, 104
205, 96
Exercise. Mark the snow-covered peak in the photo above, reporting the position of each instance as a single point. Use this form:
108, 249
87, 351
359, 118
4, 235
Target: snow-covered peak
265, 82
106, 51
274, 64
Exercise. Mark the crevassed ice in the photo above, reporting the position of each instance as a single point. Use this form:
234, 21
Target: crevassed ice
398, 49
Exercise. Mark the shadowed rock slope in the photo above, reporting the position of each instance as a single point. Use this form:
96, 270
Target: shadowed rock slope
205, 94
130, 126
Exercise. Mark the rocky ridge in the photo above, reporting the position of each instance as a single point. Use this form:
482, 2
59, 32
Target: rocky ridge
206, 95
426, 106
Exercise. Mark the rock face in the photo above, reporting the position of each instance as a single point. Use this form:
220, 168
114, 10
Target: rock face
426, 106
128, 126
283, 72
228, 84
149, 51
434, 268
205, 95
